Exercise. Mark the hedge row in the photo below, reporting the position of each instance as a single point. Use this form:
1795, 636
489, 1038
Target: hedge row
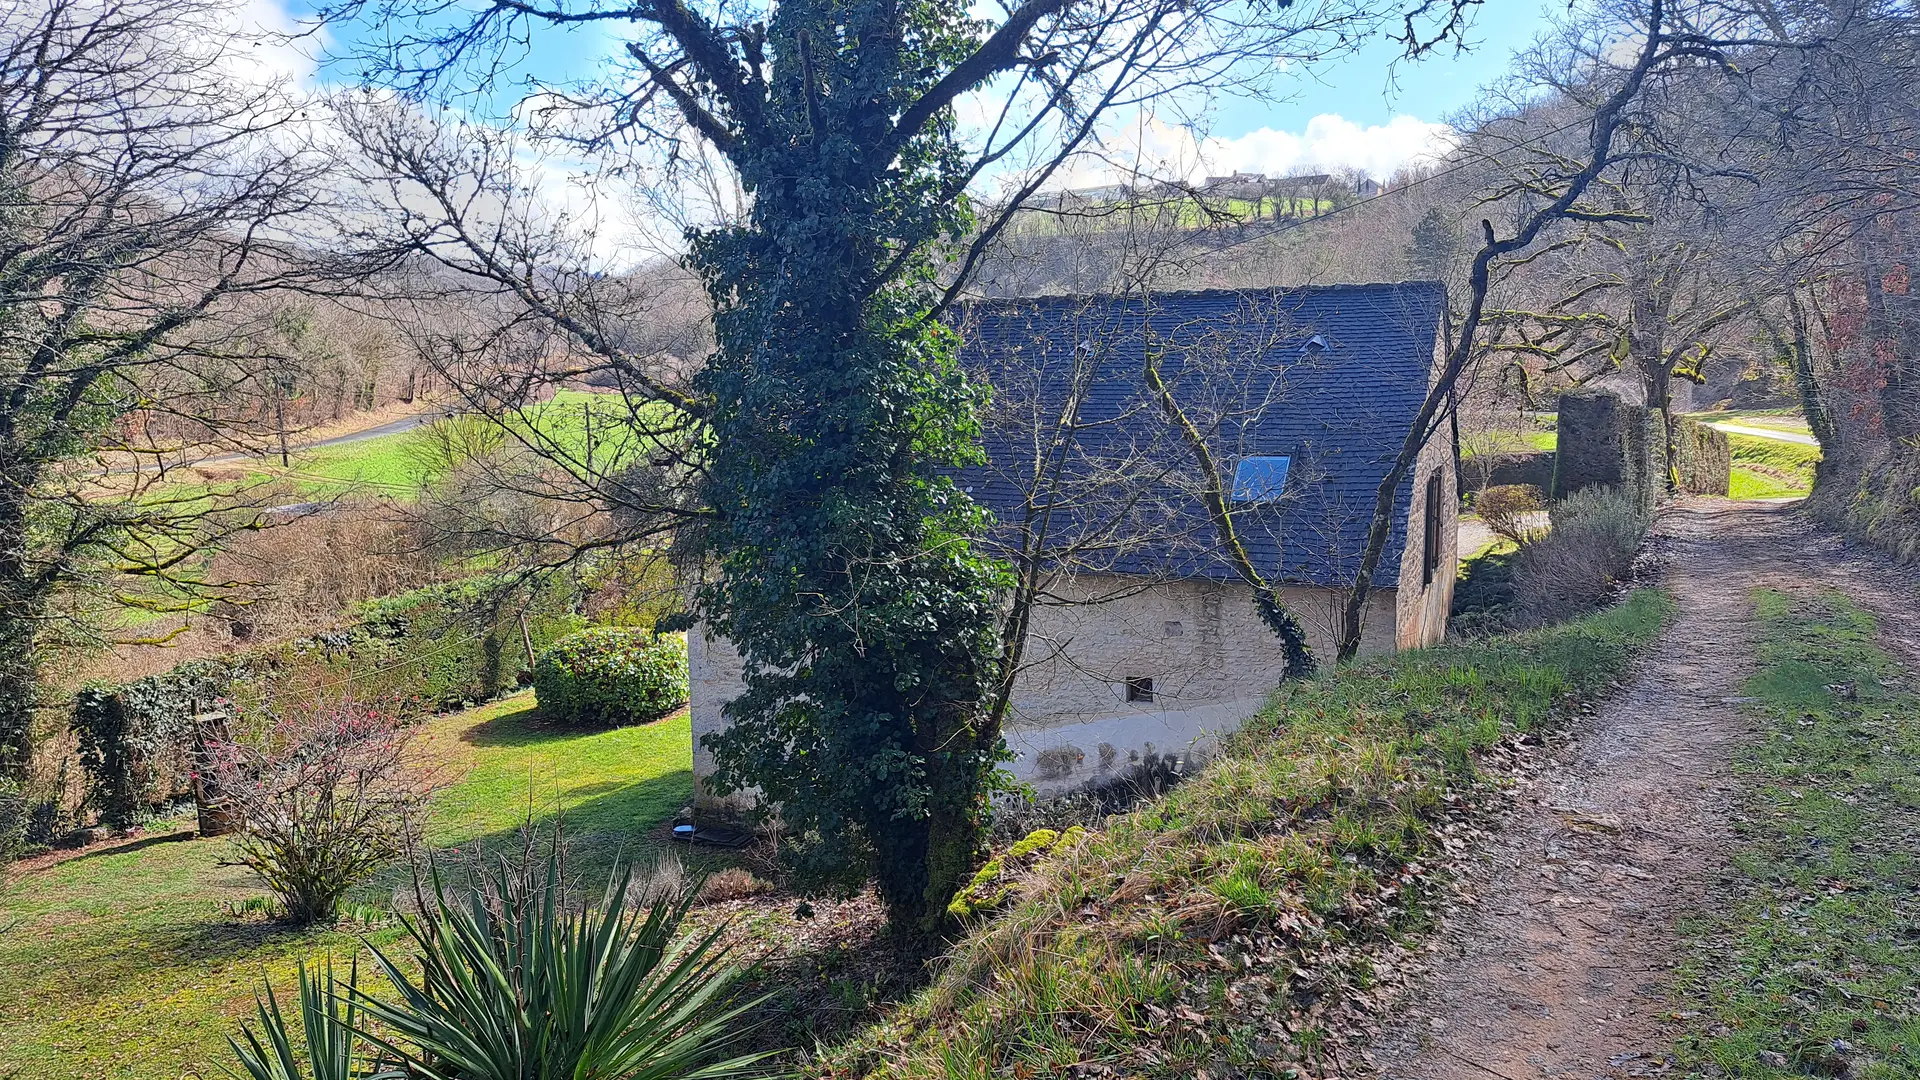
434, 648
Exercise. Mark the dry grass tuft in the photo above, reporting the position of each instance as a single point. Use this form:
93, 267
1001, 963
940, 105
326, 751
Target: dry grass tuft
733, 883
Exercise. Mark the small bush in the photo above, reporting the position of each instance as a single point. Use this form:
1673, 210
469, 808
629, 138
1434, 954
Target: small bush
1574, 568
324, 802
733, 883
1505, 508
611, 675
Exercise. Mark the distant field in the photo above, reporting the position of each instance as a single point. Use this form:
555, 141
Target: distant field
1770, 468
1772, 419
574, 424
1510, 442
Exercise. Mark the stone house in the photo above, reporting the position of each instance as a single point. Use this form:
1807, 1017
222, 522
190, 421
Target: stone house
1147, 641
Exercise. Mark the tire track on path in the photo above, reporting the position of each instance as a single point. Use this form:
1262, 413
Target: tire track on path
1560, 958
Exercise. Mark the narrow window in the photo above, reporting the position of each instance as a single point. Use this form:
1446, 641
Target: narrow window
1260, 479
1140, 688
1431, 561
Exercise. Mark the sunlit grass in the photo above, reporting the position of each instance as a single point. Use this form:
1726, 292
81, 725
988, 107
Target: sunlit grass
124, 962
1810, 967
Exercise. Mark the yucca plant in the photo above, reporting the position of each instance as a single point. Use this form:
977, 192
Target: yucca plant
329, 1015
516, 984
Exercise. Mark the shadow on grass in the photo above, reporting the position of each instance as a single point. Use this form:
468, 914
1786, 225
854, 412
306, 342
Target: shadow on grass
525, 727
821, 996
125, 848
618, 821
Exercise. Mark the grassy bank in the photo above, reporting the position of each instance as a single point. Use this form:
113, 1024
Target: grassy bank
1813, 971
1221, 928
1770, 468
137, 960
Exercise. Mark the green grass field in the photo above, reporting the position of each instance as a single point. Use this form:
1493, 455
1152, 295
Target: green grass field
1770, 468
1812, 970
595, 430
129, 961
1510, 442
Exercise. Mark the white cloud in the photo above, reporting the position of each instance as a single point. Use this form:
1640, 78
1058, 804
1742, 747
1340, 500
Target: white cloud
1330, 142
1150, 147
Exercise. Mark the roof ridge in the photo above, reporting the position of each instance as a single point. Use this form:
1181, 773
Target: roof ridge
1415, 285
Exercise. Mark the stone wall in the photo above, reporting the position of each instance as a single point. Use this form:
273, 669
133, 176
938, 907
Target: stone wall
1605, 441
1211, 661
1702, 458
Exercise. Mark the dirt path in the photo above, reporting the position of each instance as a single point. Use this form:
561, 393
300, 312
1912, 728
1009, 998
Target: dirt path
1558, 965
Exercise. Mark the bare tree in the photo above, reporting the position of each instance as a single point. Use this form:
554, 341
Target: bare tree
1550, 173
145, 184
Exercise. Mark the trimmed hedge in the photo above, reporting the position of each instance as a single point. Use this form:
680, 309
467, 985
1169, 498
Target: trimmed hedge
436, 648
611, 675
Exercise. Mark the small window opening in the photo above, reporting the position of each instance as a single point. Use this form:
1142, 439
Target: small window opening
1140, 689
1172, 628
1430, 563
1260, 479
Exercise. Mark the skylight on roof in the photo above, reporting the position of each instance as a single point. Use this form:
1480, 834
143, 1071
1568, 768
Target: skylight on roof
1260, 479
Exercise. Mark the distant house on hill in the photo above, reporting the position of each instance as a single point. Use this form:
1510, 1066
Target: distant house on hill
1146, 640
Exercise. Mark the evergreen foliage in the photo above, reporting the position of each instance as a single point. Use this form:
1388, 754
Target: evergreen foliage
611, 675
847, 580
1435, 247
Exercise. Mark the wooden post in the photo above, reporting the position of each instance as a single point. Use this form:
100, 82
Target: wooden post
217, 817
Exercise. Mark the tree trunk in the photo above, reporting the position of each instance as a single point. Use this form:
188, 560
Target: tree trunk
1800, 358
20, 603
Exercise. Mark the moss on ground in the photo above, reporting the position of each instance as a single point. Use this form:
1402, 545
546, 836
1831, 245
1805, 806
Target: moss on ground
138, 960
1213, 930
1812, 969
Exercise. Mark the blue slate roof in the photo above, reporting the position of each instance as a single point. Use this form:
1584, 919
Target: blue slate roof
1329, 377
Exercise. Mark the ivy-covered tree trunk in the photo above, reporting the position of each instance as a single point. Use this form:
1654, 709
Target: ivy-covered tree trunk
20, 610
846, 577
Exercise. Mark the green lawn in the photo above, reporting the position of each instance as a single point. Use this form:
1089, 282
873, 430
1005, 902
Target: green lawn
1811, 970
1747, 483
129, 962
1770, 468
1511, 442
594, 429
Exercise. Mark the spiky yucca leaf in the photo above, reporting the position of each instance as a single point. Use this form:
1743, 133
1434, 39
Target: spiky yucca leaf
330, 1019
515, 984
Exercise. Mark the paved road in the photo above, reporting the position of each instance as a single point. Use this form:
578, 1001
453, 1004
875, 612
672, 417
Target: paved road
391, 427
1766, 433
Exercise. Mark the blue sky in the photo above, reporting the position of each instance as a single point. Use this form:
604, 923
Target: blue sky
1362, 111
1368, 89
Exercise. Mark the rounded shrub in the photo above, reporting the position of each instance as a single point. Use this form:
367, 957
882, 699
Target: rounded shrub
611, 675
